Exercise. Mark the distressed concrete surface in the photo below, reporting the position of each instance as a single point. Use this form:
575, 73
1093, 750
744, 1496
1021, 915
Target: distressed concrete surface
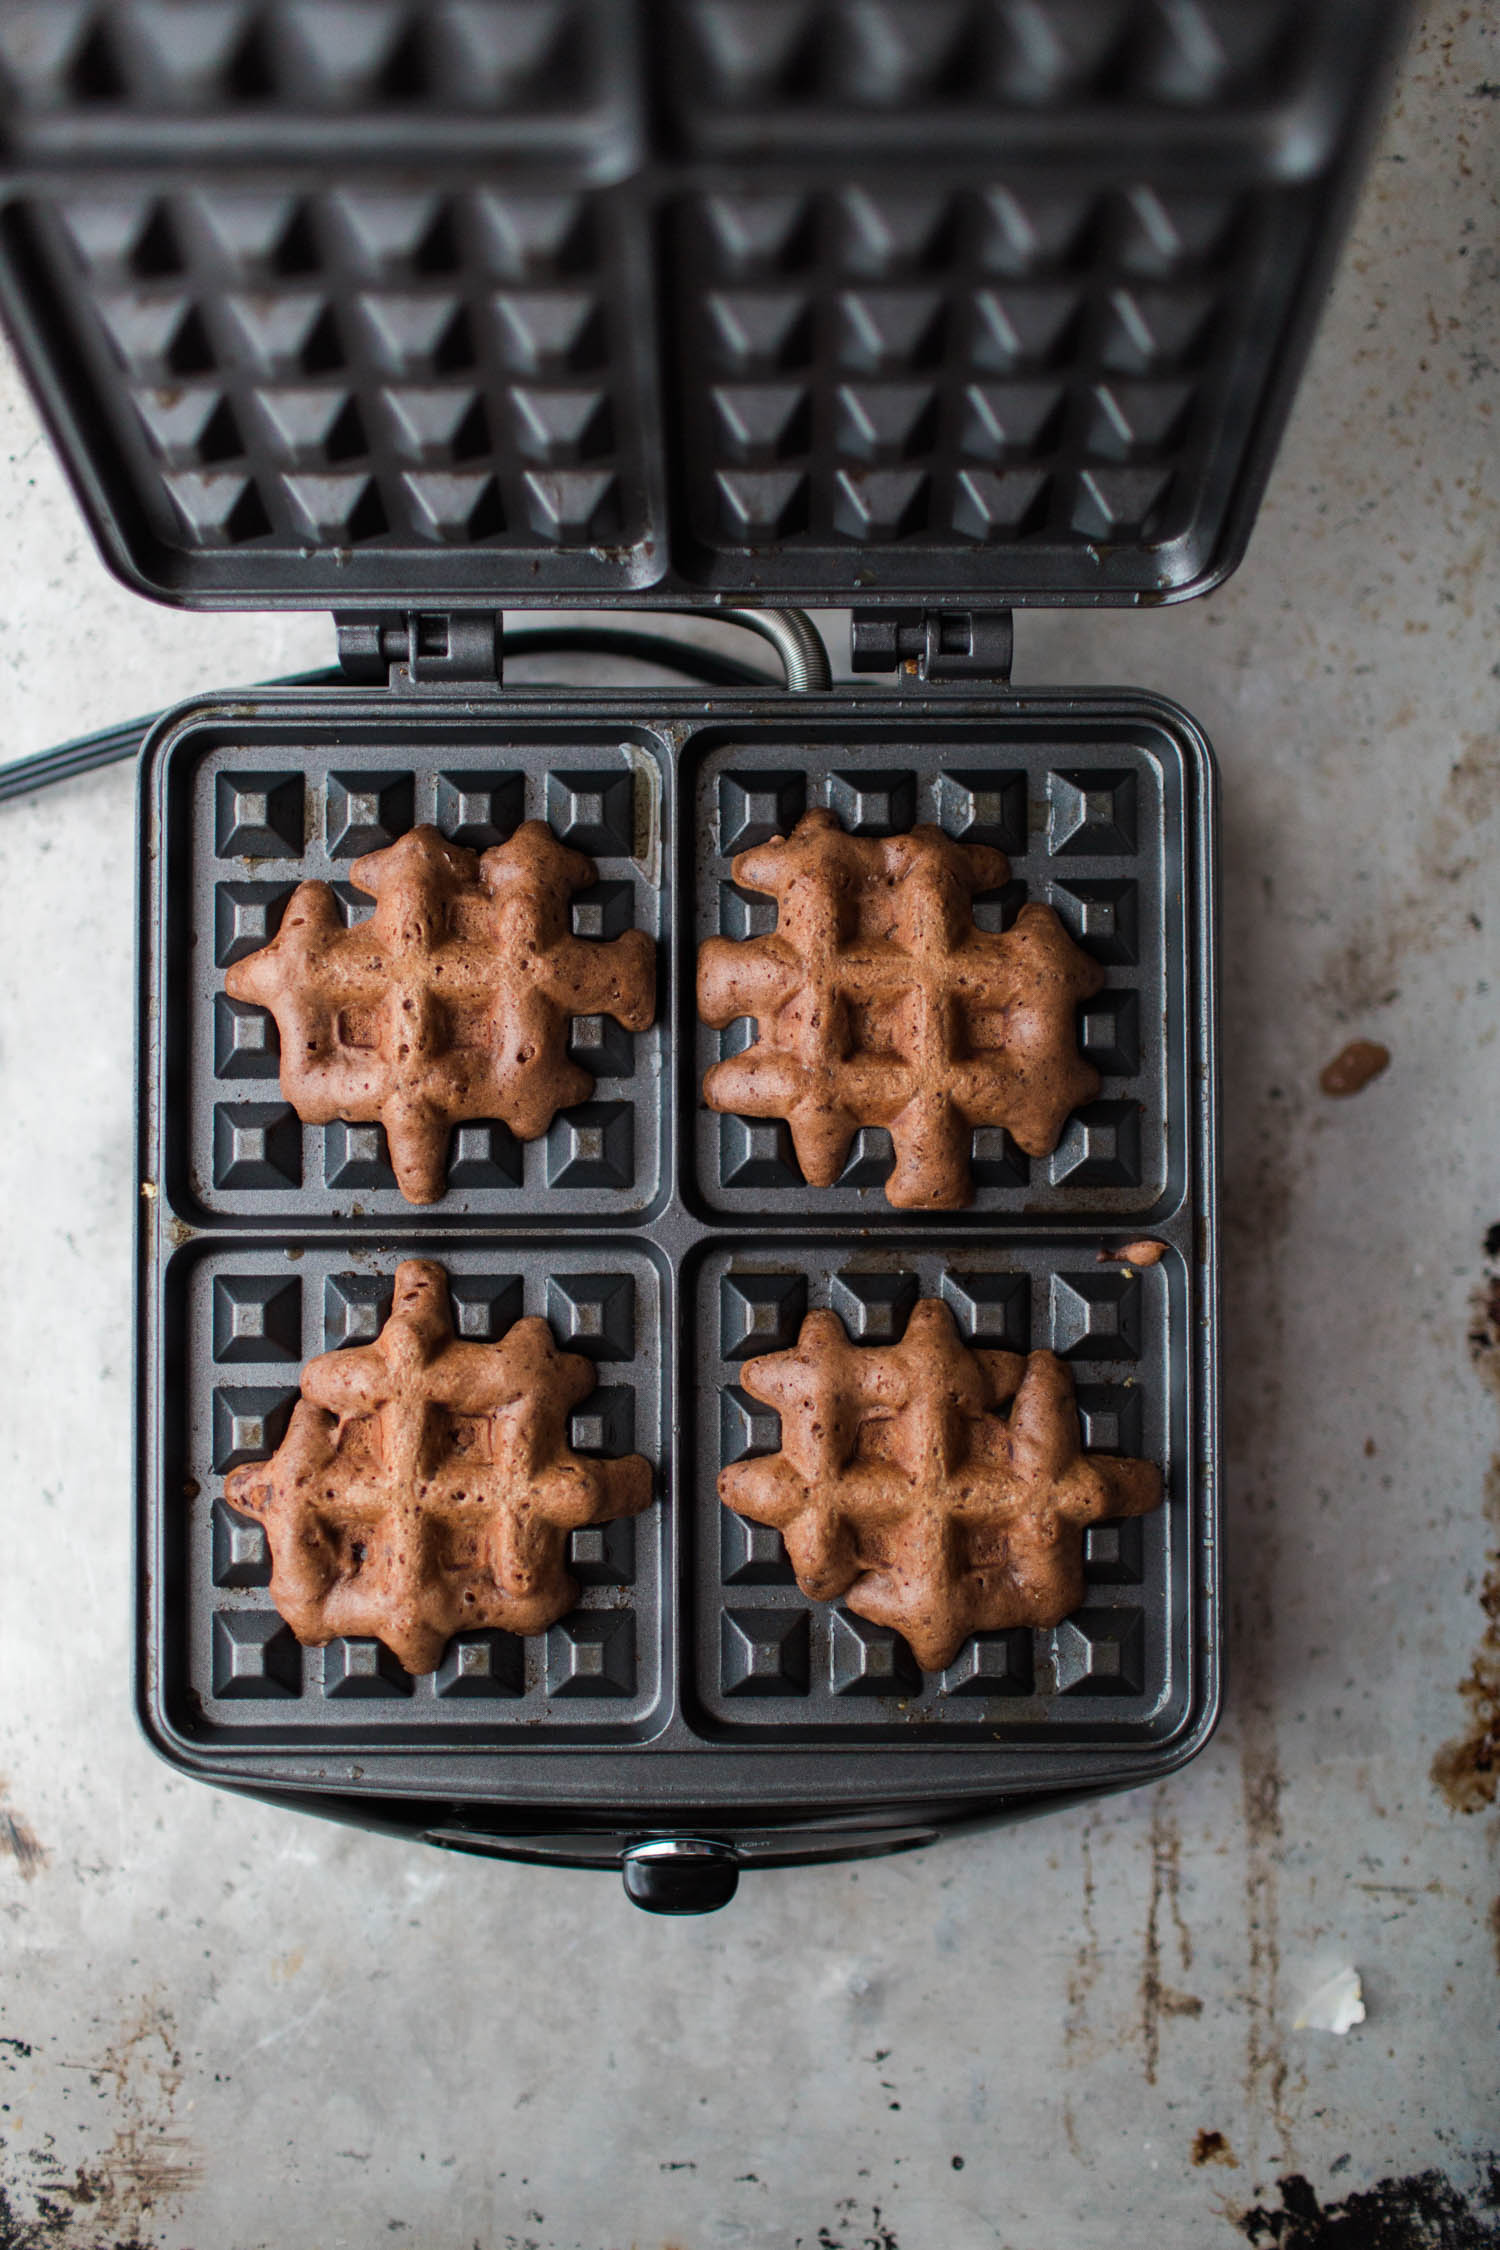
228, 2027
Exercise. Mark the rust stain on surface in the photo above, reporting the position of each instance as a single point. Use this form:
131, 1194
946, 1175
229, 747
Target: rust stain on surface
1085, 1970
1467, 1769
19, 1840
1353, 1067
1158, 1998
1210, 2147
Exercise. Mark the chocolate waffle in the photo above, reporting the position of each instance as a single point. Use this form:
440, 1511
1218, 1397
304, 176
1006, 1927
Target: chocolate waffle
453, 1001
878, 1001
426, 1487
900, 1487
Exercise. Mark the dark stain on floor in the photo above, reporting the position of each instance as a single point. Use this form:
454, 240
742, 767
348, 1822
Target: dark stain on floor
1467, 1770
1423, 2211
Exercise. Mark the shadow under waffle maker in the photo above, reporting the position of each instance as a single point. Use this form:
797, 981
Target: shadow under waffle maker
423, 315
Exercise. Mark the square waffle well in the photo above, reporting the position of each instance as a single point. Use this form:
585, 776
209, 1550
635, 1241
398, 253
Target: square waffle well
693, 1650
771, 1659
250, 1316
1090, 827
267, 818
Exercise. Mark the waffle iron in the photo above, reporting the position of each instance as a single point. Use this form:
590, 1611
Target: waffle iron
927, 310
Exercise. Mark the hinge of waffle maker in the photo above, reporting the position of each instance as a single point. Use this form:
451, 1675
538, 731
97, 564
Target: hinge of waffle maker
922, 645
420, 648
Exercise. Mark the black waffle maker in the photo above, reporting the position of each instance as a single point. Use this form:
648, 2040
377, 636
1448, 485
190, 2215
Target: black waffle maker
924, 309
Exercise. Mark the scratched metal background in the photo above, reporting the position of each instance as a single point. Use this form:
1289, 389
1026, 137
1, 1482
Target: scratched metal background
227, 2027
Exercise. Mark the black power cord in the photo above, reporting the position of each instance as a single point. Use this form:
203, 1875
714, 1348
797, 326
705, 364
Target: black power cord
689, 662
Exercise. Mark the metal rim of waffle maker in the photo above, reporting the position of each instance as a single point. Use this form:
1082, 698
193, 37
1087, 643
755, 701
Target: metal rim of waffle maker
421, 314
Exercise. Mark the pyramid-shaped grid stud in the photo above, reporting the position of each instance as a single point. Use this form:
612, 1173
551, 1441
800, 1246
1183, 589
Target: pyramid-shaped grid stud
257, 1145
747, 51
249, 1422
1095, 1316
990, 1664
310, 425
550, 333
246, 917
246, 1044
605, 1422
756, 233
752, 1554
764, 1652
258, 815
1032, 229
217, 510
759, 422
480, 809
601, 1046
389, 231
363, 1669
259, 236
455, 506
594, 812
760, 504
745, 914
995, 1160
485, 1305
334, 510
241, 1552
874, 1307
746, 1428
531, 234
593, 1313
758, 806
256, 1316
158, 335
868, 1659
603, 1554
592, 1146
1109, 1033
1010, 421
879, 504
560, 426
993, 1310
889, 331
1000, 503
760, 1312
1154, 331
870, 1159
254, 1656
1111, 1417
435, 426
1119, 503
883, 422
367, 811
571, 504
1100, 1652
482, 1664
984, 806
356, 1306
904, 231
356, 1156
1201, 50
1103, 916
1114, 1553
484, 1153
758, 331
1024, 327
1100, 1147
756, 1152
1160, 231
592, 1653
880, 802
605, 910
279, 334
1091, 813
191, 425
1126, 419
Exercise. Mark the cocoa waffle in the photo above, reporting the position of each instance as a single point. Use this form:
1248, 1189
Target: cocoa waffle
426, 1486
452, 1002
879, 1002
899, 1487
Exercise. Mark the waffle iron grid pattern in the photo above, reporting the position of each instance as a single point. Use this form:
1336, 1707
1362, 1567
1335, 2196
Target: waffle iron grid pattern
261, 1274
887, 359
